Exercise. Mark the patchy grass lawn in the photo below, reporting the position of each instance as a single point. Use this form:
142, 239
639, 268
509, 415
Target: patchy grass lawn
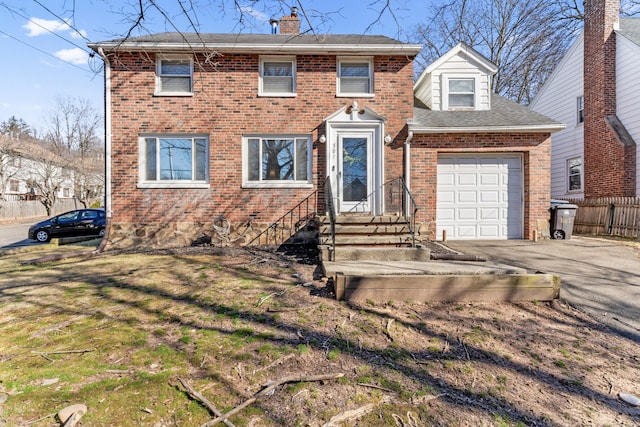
117, 332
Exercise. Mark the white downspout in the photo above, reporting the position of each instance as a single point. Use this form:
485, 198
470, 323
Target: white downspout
107, 132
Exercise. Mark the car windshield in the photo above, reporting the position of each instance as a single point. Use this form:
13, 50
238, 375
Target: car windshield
69, 216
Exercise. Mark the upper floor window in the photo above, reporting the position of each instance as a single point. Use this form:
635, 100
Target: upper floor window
174, 75
174, 161
15, 161
461, 93
574, 172
278, 76
355, 77
277, 161
580, 109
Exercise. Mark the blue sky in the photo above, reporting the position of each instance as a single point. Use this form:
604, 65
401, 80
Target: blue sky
43, 42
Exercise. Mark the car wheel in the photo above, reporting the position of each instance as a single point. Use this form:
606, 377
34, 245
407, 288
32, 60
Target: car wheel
101, 233
43, 236
558, 234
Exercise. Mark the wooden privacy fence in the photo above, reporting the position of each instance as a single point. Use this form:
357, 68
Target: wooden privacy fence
33, 209
614, 216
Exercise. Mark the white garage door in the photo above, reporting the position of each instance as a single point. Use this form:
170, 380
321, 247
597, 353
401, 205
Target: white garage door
480, 196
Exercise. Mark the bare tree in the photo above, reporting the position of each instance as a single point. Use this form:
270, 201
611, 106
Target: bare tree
524, 38
72, 131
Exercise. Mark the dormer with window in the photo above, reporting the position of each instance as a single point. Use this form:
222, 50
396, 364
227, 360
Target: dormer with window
458, 81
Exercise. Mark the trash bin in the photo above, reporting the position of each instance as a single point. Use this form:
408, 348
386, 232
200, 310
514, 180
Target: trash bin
563, 215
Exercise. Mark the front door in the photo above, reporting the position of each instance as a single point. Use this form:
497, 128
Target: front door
355, 183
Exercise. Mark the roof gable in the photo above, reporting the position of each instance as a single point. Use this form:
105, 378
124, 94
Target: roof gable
460, 63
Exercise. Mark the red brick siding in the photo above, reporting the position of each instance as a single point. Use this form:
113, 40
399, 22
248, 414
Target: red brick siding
226, 105
609, 167
536, 151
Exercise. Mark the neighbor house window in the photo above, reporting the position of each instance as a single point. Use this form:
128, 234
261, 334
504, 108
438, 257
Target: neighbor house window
174, 75
277, 161
355, 76
174, 161
66, 192
15, 161
278, 76
461, 93
580, 107
574, 171
14, 186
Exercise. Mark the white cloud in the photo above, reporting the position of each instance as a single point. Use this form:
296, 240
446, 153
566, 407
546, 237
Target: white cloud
78, 34
75, 56
38, 26
255, 13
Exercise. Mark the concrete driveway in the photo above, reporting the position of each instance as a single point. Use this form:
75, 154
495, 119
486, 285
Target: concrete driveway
598, 276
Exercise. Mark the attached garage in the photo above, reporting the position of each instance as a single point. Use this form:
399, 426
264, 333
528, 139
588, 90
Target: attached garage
480, 196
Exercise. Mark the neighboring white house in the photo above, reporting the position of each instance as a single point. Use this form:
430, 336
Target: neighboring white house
597, 99
25, 167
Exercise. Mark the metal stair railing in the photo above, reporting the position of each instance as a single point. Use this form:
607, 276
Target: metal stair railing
288, 224
397, 199
330, 209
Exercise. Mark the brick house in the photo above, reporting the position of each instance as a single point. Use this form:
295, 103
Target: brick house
594, 90
242, 127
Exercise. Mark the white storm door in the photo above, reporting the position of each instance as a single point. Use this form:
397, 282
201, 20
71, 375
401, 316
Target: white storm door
355, 167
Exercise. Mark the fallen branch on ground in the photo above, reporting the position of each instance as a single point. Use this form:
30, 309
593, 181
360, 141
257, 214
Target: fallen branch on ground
199, 397
270, 388
46, 354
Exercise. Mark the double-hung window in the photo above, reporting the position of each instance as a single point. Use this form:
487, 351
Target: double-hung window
355, 77
174, 75
574, 174
580, 109
278, 76
461, 93
275, 161
174, 161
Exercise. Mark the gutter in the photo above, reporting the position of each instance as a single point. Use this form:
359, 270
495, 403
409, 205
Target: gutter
107, 147
550, 128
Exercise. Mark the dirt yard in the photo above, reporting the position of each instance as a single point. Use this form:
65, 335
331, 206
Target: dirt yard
123, 333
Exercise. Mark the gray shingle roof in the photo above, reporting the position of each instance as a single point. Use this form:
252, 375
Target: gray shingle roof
260, 42
505, 115
630, 28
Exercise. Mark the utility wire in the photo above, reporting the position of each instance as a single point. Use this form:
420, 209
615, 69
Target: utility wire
62, 20
46, 53
45, 28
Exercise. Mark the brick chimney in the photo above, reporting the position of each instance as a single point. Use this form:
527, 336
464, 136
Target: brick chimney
290, 24
609, 163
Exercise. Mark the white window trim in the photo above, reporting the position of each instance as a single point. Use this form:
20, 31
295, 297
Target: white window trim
142, 164
159, 91
308, 183
568, 176
347, 59
294, 71
445, 91
578, 121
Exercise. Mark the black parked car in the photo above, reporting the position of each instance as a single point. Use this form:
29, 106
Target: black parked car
81, 222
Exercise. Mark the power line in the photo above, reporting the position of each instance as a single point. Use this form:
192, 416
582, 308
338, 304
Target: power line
46, 53
62, 20
45, 28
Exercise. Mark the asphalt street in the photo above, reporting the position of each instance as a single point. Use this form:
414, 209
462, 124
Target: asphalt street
598, 276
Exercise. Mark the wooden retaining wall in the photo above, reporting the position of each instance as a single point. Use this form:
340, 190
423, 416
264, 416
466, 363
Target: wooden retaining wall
613, 216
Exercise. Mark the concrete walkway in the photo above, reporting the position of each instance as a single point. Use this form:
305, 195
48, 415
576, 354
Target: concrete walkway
599, 276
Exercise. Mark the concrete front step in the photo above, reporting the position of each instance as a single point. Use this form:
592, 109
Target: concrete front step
368, 240
351, 253
366, 229
364, 219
